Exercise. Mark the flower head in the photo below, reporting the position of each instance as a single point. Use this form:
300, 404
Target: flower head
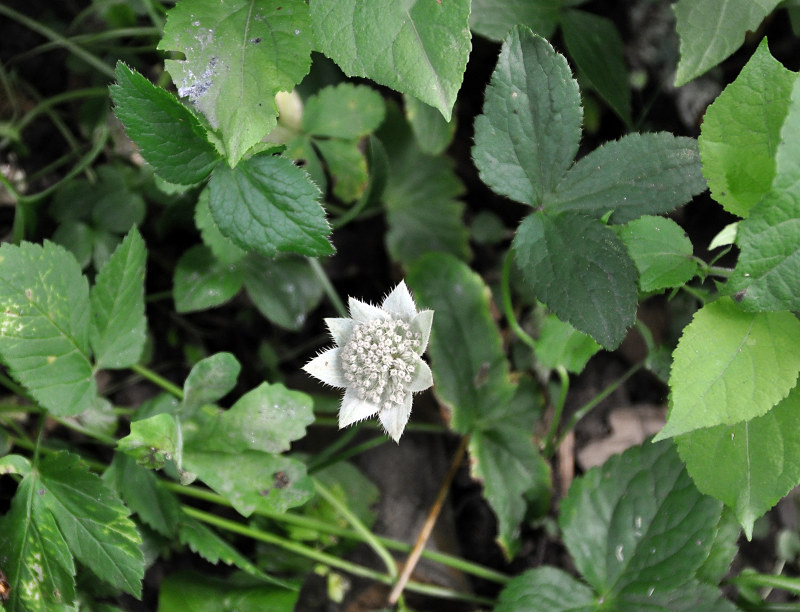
377, 360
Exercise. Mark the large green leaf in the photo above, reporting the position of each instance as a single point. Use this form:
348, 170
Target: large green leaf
118, 327
494, 18
415, 47
594, 44
661, 251
731, 366
169, 136
731, 462
44, 326
637, 524
267, 204
223, 248
202, 282
767, 273
545, 589
740, 134
580, 269
239, 54
530, 128
345, 111
639, 174
711, 30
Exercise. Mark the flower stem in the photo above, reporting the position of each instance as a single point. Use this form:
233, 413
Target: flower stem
159, 380
549, 446
327, 286
508, 308
430, 521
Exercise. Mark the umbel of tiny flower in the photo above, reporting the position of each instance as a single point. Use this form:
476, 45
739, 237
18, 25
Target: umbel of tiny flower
377, 360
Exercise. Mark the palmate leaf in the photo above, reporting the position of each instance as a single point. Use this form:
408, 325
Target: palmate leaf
44, 326
239, 54
415, 47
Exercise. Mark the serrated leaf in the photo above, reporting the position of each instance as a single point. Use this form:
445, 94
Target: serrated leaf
284, 289
580, 269
560, 344
730, 461
432, 133
731, 366
637, 524
152, 441
93, 520
202, 282
267, 204
156, 507
36, 559
168, 135
239, 54
223, 249
740, 134
661, 251
767, 273
416, 178
429, 44
594, 44
206, 543
493, 19
638, 174
344, 111
209, 380
545, 589
711, 30
195, 592
44, 326
530, 128
118, 327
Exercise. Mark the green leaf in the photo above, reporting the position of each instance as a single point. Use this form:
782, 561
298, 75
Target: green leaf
560, 344
731, 366
637, 524
144, 494
711, 30
119, 326
416, 178
639, 174
223, 249
661, 251
429, 44
93, 520
267, 204
168, 135
545, 589
432, 132
194, 592
594, 44
493, 19
284, 290
766, 275
530, 128
78, 238
152, 441
345, 111
44, 326
36, 559
210, 380
740, 134
730, 461
347, 167
206, 543
202, 282
580, 269
239, 54
690, 597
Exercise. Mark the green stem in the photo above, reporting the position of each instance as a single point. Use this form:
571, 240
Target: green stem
159, 380
48, 103
508, 308
89, 39
326, 559
694, 293
74, 426
549, 446
754, 580
327, 286
367, 536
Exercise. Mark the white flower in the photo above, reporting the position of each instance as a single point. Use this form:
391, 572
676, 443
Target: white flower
377, 360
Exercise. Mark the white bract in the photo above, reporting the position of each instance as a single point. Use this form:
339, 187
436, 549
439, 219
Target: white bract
377, 360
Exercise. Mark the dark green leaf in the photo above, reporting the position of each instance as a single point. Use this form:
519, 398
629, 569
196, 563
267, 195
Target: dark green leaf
268, 205
223, 249
206, 543
169, 136
432, 132
194, 592
494, 18
639, 174
580, 269
119, 326
44, 326
530, 128
202, 282
545, 589
345, 111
